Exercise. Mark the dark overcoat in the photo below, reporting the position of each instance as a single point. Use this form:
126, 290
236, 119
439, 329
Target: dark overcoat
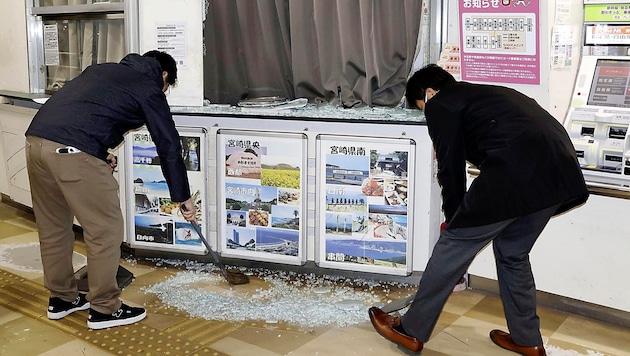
525, 156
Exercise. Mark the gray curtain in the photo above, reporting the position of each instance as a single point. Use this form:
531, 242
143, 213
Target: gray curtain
314, 49
83, 43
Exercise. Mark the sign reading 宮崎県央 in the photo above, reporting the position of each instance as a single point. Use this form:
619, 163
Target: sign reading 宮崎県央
261, 195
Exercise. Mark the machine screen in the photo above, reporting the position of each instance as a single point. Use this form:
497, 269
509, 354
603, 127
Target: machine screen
610, 84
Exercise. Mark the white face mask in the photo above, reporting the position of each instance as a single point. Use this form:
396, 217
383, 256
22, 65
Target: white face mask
426, 95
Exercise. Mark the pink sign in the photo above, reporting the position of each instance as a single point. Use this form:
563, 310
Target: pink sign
500, 41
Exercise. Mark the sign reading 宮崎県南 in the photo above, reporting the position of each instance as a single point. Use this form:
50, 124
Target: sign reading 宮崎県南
364, 203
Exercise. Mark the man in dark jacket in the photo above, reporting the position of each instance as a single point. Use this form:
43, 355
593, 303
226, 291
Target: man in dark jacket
528, 173
70, 170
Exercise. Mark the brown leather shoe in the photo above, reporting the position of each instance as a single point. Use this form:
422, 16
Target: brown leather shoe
504, 340
384, 325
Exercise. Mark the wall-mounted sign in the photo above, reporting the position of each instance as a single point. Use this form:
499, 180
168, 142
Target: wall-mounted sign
604, 34
500, 41
261, 198
51, 45
364, 203
171, 38
608, 12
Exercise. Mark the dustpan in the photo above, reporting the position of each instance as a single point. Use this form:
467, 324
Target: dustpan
124, 277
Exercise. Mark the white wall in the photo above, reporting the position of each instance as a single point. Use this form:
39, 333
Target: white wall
14, 121
561, 81
13, 62
13, 44
582, 254
188, 15
4, 176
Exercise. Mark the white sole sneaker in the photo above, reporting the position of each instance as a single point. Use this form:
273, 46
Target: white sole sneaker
112, 323
56, 307
125, 315
59, 315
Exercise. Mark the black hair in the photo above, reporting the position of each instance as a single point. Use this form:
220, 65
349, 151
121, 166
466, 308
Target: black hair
167, 63
430, 76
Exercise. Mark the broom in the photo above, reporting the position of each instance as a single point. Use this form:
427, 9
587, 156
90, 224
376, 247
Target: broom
232, 276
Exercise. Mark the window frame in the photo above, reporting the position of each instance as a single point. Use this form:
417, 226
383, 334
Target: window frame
36, 15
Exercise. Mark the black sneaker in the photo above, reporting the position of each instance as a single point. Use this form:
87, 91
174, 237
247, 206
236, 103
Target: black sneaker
125, 315
58, 308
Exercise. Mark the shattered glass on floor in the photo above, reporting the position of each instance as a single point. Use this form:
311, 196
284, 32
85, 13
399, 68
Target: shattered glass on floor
26, 257
304, 300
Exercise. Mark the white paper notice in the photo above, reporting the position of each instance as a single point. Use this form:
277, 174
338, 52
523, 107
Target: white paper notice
563, 12
562, 47
51, 45
171, 38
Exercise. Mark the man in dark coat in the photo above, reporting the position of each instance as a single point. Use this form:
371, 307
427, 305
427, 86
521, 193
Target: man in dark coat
528, 173
70, 171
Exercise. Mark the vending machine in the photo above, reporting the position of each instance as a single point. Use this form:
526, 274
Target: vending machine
599, 112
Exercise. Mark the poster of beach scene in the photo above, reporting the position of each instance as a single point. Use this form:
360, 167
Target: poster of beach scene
364, 204
157, 219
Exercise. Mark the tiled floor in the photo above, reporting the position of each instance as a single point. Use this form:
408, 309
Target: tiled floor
462, 329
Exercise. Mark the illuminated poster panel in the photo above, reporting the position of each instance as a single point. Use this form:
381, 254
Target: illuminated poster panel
364, 204
261, 195
155, 220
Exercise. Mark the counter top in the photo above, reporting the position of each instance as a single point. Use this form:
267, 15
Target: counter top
20, 95
608, 190
293, 109
310, 112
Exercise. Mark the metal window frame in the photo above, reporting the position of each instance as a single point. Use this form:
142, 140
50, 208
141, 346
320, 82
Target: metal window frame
439, 29
35, 16
114, 7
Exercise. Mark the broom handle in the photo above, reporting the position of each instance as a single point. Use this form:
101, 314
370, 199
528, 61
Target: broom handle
215, 257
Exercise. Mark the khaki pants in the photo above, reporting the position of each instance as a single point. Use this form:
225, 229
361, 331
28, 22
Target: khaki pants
64, 185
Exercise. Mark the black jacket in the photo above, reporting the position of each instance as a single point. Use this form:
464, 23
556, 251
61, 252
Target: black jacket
94, 111
525, 156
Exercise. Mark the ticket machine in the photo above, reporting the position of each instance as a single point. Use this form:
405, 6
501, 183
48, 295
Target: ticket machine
599, 114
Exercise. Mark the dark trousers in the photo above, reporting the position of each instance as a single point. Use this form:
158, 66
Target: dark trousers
64, 186
512, 240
